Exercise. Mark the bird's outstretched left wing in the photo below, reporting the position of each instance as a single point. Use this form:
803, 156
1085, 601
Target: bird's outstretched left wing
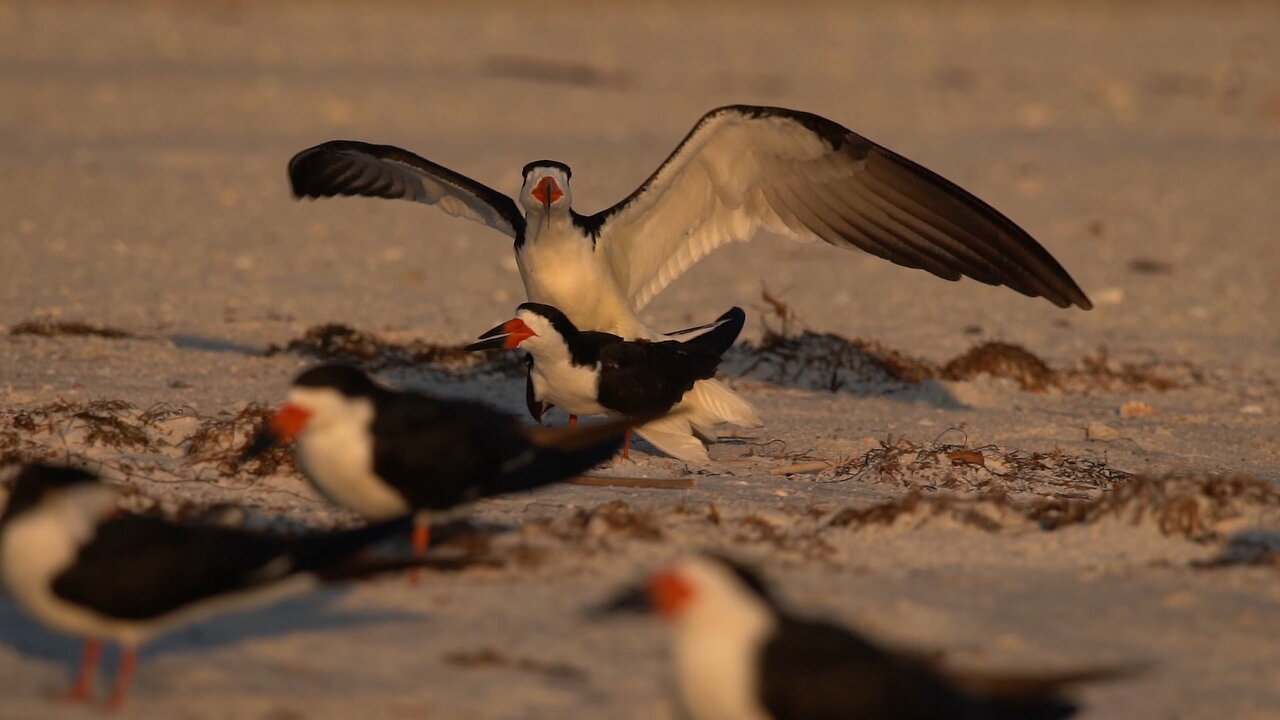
746, 168
350, 167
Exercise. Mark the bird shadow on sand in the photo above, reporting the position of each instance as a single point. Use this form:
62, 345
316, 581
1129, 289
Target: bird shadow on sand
817, 362
205, 343
310, 612
860, 376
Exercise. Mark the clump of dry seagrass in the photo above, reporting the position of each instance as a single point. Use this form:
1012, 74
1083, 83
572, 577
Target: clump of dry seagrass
825, 361
56, 328
800, 537
611, 519
222, 440
347, 344
1197, 507
943, 466
1200, 508
68, 431
114, 424
987, 512
490, 658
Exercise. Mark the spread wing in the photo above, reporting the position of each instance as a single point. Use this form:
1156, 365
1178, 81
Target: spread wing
349, 167
744, 168
816, 670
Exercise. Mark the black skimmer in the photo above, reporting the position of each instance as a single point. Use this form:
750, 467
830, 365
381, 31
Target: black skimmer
740, 656
73, 561
741, 169
586, 372
387, 453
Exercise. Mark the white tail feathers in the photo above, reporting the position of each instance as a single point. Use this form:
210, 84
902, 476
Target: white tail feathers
711, 402
674, 436
707, 405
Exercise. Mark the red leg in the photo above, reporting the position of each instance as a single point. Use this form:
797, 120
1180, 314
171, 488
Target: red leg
626, 445
124, 678
421, 538
573, 421
89, 659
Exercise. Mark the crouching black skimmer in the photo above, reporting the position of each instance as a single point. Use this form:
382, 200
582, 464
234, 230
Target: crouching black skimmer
741, 169
740, 656
77, 564
386, 453
585, 372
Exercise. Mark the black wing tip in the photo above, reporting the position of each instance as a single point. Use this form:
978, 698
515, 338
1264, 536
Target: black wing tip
734, 314
1020, 262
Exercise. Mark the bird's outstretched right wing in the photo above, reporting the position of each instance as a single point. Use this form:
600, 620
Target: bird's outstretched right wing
350, 167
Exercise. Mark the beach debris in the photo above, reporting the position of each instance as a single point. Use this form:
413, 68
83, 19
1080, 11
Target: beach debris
343, 343
831, 363
1098, 430
804, 467
1200, 508
1136, 408
489, 658
938, 466
683, 483
59, 328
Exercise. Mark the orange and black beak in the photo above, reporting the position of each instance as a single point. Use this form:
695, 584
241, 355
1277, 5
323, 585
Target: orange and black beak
665, 593
547, 191
629, 600
282, 427
507, 335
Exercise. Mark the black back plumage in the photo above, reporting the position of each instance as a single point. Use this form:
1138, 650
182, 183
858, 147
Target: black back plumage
812, 670
33, 481
440, 453
818, 671
650, 377
639, 377
140, 568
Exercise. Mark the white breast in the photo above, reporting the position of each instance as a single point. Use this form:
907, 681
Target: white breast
718, 674
560, 267
572, 388
337, 457
41, 544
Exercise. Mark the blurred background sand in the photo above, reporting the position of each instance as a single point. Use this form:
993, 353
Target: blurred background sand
142, 186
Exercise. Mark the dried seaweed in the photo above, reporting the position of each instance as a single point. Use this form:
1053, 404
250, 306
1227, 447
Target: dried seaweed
55, 328
1197, 508
983, 512
989, 468
615, 518
825, 361
109, 423
222, 440
1191, 506
1002, 360
802, 538
346, 344
490, 658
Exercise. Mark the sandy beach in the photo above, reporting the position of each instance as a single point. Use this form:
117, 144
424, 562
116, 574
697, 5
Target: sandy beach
1111, 499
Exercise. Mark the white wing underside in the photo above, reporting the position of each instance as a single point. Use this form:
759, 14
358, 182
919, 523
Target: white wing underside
708, 196
745, 169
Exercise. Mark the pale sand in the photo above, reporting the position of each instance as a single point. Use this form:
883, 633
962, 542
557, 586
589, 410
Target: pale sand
143, 149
